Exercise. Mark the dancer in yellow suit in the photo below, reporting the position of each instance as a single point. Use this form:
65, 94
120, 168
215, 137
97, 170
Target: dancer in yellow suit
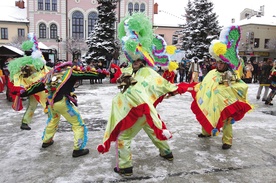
23, 72
221, 98
142, 88
59, 85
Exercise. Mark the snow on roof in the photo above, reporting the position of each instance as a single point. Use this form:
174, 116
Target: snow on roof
164, 18
14, 49
43, 46
13, 14
263, 20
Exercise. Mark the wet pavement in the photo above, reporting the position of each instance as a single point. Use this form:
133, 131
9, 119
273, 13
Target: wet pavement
252, 157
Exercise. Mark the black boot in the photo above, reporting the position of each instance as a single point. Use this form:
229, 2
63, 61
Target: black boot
81, 152
168, 157
25, 126
124, 171
203, 136
226, 146
45, 145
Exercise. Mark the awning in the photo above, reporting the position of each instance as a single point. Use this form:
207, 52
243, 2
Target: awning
43, 46
10, 51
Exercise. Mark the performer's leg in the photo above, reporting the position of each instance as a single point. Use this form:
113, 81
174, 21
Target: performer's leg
259, 92
72, 115
52, 125
227, 136
162, 145
124, 156
28, 115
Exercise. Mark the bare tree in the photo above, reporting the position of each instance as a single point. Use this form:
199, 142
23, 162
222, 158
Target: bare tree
75, 46
17, 41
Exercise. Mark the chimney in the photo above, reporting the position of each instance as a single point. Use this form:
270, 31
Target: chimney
155, 8
20, 4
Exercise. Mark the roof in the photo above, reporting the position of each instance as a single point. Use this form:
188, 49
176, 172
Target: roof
262, 20
164, 18
10, 51
43, 46
13, 14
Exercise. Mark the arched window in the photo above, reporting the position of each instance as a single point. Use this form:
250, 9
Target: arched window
130, 8
142, 7
92, 19
47, 5
54, 5
136, 7
77, 25
53, 31
42, 30
40, 4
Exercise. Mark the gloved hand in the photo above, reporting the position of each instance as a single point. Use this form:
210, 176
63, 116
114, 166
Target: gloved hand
23, 93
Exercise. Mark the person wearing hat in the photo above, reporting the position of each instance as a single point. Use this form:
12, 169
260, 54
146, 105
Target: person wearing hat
142, 88
221, 98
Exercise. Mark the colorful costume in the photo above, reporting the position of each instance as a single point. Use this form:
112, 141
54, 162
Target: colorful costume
23, 72
221, 98
143, 88
116, 74
59, 85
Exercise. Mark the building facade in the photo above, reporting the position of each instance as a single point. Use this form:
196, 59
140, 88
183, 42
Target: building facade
257, 30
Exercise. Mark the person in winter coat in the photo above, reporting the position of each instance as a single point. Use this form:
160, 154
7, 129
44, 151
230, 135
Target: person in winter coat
272, 86
264, 81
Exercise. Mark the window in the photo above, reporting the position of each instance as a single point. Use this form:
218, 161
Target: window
130, 8
21, 32
136, 7
40, 5
92, 19
53, 31
142, 7
54, 5
42, 30
174, 39
4, 33
77, 25
162, 35
47, 5
256, 43
266, 43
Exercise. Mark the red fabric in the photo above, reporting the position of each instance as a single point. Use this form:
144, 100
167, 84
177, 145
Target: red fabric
2, 83
236, 110
129, 121
117, 74
183, 87
169, 76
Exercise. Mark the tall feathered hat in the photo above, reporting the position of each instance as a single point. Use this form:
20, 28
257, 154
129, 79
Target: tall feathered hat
138, 40
36, 60
226, 48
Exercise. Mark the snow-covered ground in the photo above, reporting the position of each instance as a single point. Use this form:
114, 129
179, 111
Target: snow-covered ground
252, 157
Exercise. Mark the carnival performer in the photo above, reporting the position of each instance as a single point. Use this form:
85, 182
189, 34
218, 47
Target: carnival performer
23, 72
142, 88
169, 72
117, 72
221, 98
59, 86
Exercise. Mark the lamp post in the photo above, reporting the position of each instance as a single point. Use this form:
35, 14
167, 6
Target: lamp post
58, 40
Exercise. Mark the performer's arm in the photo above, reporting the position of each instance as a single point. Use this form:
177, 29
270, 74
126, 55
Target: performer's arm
32, 89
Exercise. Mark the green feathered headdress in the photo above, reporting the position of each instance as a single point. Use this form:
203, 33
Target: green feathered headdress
35, 61
138, 40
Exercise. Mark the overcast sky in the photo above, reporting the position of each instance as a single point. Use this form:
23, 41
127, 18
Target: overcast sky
226, 10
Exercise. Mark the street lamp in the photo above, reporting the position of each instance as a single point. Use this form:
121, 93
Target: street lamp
58, 40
